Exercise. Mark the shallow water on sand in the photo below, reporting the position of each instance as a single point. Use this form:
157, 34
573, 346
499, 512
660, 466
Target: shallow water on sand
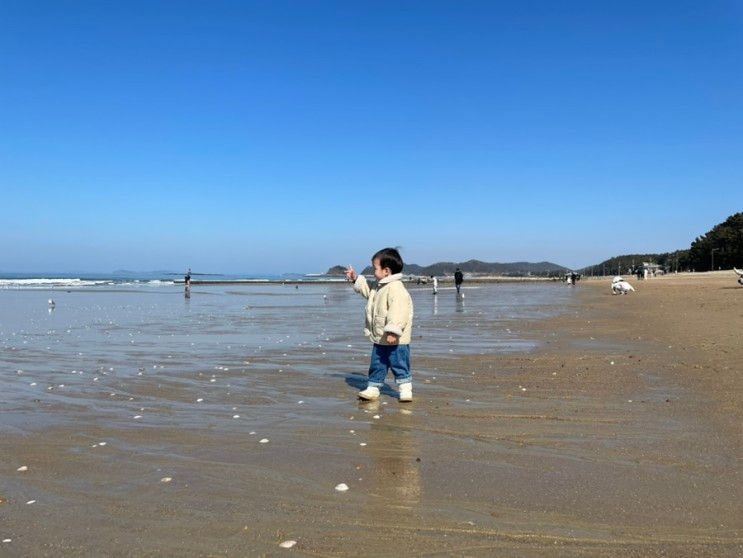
88, 348
137, 423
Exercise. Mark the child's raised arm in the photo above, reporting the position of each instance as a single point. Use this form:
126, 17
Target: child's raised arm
359, 282
351, 274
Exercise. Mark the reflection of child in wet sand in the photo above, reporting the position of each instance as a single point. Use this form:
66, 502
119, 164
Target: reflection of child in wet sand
389, 322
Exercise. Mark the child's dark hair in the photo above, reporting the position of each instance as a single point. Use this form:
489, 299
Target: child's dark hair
389, 257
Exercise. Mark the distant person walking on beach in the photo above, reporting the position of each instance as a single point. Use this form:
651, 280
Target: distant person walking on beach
389, 323
187, 283
435, 284
458, 279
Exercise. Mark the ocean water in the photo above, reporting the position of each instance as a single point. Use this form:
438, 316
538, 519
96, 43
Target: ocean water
100, 344
136, 279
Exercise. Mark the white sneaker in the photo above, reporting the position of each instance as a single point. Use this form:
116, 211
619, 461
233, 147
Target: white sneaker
406, 392
369, 394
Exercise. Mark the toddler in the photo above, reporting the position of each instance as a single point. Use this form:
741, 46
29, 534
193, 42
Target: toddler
389, 322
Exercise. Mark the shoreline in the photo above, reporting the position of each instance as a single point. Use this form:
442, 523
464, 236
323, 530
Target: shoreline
620, 435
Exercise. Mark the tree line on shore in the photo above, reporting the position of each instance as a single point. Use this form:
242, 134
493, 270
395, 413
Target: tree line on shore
721, 247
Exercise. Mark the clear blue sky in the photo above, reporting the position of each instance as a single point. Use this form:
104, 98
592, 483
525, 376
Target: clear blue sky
291, 136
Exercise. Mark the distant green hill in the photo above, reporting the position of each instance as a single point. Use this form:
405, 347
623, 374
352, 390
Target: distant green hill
726, 239
475, 267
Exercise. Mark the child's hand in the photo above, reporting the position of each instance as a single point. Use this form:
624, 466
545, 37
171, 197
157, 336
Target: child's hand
392, 339
351, 275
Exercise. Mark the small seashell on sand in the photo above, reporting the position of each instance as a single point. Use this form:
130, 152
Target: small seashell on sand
251, 433
212, 380
30, 502
166, 479
263, 441
612, 363
377, 417
102, 443
300, 402
352, 431
287, 544
32, 384
22, 469
199, 400
342, 487
235, 416
523, 389
137, 417
7, 540
362, 444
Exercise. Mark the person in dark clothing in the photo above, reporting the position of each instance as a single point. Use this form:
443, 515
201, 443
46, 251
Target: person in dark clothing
458, 279
187, 283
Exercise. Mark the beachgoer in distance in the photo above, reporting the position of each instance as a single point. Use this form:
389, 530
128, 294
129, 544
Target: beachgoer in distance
435, 284
187, 283
458, 279
389, 323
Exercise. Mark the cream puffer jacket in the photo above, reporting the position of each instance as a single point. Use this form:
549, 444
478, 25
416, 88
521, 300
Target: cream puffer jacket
389, 309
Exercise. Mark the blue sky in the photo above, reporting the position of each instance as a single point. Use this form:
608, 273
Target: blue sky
291, 136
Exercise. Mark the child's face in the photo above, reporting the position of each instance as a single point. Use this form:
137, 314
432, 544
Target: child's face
379, 272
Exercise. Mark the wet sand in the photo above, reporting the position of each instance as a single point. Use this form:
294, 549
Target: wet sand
619, 436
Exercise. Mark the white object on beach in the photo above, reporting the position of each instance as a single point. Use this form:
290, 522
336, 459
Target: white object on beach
137, 417
263, 441
342, 487
30, 502
166, 479
620, 286
22, 469
287, 544
7, 540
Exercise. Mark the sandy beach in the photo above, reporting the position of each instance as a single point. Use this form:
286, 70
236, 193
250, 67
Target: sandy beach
617, 432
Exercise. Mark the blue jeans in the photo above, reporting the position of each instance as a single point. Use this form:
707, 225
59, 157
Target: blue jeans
389, 357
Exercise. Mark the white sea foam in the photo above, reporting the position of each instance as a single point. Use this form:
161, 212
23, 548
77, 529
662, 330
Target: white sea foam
68, 283
46, 283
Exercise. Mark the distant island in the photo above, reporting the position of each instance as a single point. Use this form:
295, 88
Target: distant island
472, 267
